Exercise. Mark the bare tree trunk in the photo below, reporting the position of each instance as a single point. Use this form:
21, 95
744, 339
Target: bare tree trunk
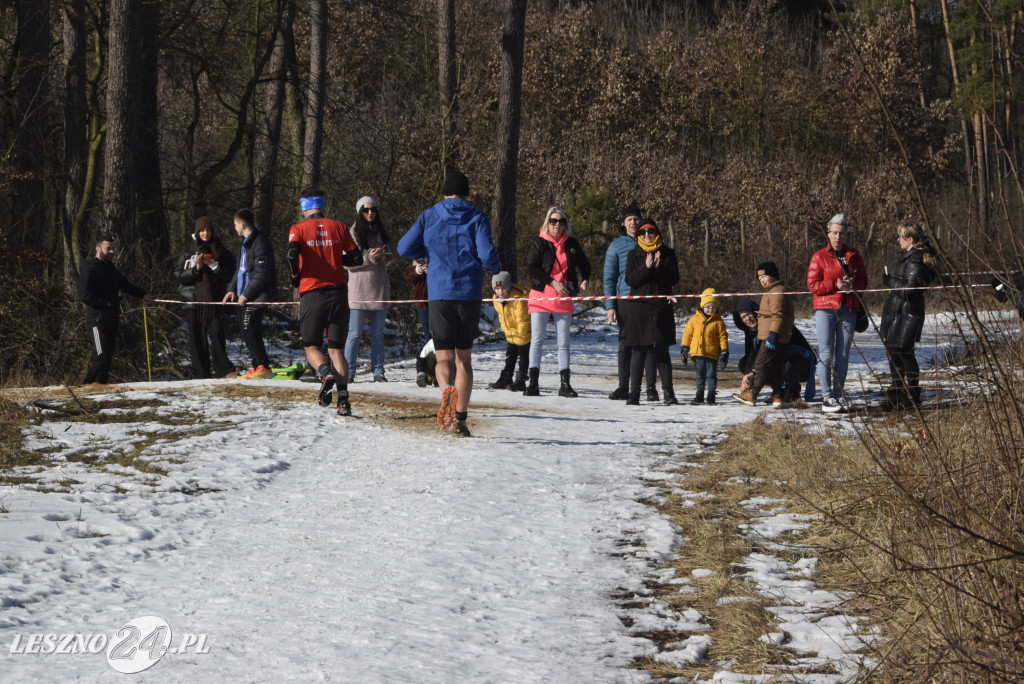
122, 115
314, 138
448, 79
76, 145
152, 220
956, 84
920, 75
509, 108
707, 241
32, 97
268, 143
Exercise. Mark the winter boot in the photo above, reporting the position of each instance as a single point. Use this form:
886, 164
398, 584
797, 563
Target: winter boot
421, 371
566, 389
619, 394
711, 398
503, 381
519, 384
699, 399
532, 390
652, 394
633, 399
670, 397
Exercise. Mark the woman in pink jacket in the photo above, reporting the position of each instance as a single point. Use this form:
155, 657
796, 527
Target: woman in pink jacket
835, 273
557, 267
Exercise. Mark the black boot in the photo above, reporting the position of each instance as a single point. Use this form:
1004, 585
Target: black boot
566, 389
519, 384
670, 397
699, 399
503, 381
711, 398
633, 399
619, 394
652, 394
532, 390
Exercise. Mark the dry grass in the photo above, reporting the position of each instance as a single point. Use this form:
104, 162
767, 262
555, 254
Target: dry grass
757, 460
921, 518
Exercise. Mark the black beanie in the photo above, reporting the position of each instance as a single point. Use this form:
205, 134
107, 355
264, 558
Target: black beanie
769, 268
631, 210
455, 183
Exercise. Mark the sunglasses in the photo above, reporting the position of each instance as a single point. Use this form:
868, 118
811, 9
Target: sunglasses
648, 231
367, 210
556, 221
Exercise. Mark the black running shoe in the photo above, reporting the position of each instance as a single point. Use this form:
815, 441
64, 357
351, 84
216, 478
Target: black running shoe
344, 408
326, 385
460, 429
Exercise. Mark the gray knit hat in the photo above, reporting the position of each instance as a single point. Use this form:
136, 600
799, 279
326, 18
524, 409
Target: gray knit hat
363, 201
505, 278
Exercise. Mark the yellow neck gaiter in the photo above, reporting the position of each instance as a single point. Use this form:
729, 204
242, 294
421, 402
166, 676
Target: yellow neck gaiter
650, 246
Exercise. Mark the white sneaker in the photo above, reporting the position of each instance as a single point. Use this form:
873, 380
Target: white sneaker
830, 405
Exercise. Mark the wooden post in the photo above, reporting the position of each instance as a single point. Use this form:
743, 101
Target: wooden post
707, 241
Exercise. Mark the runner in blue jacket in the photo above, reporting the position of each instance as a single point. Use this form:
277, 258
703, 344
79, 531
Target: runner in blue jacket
456, 237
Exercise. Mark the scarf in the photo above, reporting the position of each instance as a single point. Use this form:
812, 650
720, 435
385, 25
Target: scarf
650, 246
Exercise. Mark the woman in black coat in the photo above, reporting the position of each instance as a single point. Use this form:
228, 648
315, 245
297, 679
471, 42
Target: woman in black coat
203, 274
651, 269
903, 317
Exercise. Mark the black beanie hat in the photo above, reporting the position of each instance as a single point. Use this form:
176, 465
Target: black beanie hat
631, 210
455, 183
769, 268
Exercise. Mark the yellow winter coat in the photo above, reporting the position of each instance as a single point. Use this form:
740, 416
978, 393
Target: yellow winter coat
514, 317
706, 335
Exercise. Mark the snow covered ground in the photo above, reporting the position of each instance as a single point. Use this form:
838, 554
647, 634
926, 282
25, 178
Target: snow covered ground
278, 541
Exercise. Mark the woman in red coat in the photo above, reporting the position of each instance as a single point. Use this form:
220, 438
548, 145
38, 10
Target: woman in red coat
835, 273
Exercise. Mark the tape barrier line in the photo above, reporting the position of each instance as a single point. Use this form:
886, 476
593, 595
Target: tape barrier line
596, 298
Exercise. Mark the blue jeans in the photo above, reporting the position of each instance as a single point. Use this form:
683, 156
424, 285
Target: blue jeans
835, 334
707, 372
357, 318
424, 316
538, 328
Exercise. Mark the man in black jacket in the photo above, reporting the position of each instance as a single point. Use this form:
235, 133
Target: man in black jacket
255, 281
99, 286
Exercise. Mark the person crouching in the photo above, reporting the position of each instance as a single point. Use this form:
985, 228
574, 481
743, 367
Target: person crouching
514, 317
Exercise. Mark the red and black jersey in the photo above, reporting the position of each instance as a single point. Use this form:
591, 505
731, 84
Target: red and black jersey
323, 242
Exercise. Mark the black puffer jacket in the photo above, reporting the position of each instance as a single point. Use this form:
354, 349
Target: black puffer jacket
540, 258
650, 321
259, 262
218, 274
903, 313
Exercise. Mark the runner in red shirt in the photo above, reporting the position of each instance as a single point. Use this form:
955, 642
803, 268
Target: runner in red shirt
318, 250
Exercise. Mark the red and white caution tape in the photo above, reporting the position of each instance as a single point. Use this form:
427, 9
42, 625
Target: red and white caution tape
596, 298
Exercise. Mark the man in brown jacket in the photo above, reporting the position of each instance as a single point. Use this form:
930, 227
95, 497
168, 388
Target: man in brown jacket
774, 328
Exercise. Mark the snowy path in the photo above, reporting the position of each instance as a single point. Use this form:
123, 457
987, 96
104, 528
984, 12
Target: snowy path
308, 547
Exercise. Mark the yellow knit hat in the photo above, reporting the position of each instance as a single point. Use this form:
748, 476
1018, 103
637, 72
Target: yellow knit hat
708, 297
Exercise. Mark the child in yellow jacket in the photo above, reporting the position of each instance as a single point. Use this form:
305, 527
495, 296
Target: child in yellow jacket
707, 341
515, 322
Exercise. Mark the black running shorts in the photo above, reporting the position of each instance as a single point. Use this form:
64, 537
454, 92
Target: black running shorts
454, 324
326, 307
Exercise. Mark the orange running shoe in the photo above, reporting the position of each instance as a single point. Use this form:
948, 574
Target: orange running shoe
261, 373
446, 416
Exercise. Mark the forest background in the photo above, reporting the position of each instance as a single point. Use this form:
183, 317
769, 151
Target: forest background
740, 126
